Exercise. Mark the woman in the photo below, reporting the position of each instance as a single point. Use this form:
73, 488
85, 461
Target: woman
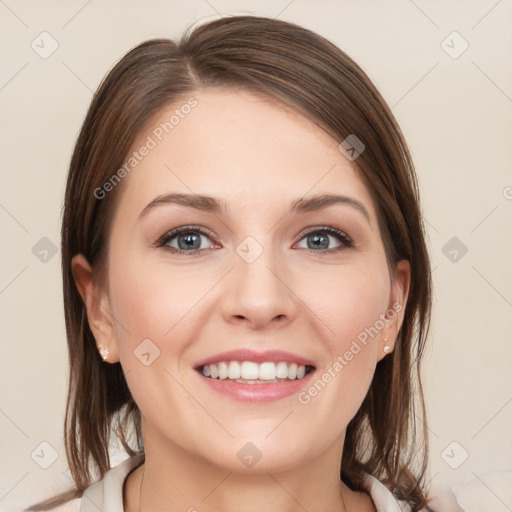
247, 287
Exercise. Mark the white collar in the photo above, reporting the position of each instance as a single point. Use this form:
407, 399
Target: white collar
106, 495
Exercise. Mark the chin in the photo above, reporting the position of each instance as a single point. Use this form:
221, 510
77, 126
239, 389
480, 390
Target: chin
261, 455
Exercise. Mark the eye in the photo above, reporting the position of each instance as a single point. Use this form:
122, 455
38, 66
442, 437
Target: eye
191, 240
185, 239
319, 239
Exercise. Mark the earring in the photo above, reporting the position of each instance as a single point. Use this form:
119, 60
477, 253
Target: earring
104, 351
387, 348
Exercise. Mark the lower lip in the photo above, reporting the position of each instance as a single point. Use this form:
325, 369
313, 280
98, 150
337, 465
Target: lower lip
256, 392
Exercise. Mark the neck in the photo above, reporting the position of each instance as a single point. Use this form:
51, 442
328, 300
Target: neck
175, 479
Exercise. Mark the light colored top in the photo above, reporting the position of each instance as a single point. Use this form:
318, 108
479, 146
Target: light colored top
107, 494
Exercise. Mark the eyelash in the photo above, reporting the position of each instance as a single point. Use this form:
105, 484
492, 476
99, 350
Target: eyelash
162, 242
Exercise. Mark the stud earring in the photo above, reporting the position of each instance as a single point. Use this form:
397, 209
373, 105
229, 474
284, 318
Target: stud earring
387, 348
104, 351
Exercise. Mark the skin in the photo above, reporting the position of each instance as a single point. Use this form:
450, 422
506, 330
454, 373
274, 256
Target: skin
258, 157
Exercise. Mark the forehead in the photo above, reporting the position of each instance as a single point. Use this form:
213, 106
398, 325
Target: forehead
240, 147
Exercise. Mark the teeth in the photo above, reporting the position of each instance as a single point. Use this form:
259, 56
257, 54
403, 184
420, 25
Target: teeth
282, 370
234, 370
268, 371
251, 372
223, 370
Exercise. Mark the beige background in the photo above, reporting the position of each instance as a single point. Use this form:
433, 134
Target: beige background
456, 114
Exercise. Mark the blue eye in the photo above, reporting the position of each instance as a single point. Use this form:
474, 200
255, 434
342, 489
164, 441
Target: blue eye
188, 240
319, 239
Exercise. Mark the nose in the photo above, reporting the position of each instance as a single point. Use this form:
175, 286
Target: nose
258, 294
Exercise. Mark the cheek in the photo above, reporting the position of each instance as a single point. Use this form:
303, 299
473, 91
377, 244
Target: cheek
153, 310
149, 302
350, 301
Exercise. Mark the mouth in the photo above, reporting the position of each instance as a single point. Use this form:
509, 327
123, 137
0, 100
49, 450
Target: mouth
251, 372
253, 376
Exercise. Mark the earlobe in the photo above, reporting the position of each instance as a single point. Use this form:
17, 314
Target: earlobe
98, 309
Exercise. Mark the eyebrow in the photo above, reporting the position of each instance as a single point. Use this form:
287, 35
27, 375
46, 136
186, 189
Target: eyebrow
211, 205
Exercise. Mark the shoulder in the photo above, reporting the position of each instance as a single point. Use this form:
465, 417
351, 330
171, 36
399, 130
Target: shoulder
69, 506
105, 494
72, 505
382, 497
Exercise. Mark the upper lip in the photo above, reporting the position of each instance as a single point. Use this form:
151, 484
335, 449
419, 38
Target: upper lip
275, 356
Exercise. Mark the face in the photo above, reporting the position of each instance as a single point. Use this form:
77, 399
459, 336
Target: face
269, 274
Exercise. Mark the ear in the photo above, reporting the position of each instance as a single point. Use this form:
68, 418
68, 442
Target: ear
96, 302
394, 315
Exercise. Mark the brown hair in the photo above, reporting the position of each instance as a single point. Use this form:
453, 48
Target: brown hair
302, 70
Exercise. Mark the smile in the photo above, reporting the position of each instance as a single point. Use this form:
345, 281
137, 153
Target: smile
250, 372
250, 375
